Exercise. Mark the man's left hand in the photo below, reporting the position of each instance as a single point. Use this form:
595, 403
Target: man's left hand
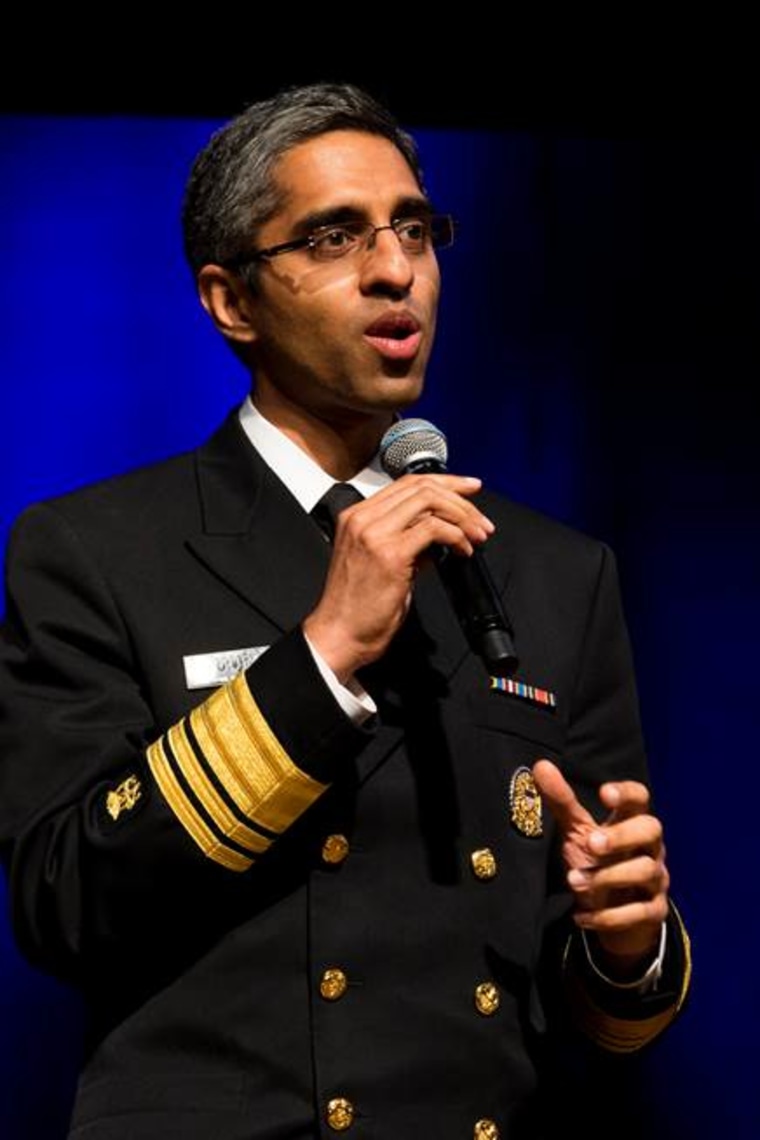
615, 869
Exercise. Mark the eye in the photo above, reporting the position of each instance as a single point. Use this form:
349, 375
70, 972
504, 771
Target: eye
413, 233
334, 241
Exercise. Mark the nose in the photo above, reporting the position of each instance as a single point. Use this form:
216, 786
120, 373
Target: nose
385, 266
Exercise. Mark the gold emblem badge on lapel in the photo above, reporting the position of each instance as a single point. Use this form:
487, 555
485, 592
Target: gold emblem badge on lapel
124, 797
525, 803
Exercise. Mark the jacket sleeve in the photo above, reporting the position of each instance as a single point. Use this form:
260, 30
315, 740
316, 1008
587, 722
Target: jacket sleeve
112, 825
605, 742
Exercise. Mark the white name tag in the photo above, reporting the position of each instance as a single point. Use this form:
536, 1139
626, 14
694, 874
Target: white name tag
203, 670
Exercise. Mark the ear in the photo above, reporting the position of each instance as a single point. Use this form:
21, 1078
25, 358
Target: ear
228, 302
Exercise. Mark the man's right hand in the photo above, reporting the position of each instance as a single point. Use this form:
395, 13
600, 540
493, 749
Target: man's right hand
379, 546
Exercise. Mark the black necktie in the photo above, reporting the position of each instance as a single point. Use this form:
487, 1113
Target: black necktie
336, 499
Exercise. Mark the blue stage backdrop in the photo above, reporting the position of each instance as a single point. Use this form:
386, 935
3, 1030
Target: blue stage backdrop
596, 360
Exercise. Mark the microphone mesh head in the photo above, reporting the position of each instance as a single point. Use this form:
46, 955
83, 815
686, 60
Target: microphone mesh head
409, 441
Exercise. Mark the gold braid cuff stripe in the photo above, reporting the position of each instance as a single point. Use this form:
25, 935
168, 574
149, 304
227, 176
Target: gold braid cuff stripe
686, 954
216, 808
248, 759
195, 826
617, 1034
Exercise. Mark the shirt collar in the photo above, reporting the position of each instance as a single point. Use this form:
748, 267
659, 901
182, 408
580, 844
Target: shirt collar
304, 478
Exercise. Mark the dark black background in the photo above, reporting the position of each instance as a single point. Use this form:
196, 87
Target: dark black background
668, 78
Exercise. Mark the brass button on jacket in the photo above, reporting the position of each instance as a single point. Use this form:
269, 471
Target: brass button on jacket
333, 984
340, 1114
485, 1130
335, 849
483, 863
487, 998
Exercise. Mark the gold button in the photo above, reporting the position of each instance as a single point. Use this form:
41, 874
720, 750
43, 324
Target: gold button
335, 849
487, 998
485, 1130
333, 984
483, 863
340, 1114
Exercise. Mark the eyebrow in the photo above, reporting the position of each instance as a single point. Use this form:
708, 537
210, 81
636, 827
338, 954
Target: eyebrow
411, 206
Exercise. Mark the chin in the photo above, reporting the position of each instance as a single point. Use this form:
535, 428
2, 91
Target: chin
401, 403
399, 390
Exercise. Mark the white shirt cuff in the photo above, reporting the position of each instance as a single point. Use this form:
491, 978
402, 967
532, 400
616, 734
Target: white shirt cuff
648, 981
355, 701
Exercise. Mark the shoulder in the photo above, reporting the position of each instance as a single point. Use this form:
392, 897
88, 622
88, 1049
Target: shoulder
161, 496
134, 498
526, 533
548, 567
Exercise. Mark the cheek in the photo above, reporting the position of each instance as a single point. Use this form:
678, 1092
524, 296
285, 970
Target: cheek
427, 286
318, 309
297, 325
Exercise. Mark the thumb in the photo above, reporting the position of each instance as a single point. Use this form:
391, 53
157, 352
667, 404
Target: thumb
565, 806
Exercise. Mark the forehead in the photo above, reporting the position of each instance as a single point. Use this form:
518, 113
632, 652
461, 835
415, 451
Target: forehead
343, 168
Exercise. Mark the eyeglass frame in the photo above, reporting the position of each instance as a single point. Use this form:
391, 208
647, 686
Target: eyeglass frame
310, 239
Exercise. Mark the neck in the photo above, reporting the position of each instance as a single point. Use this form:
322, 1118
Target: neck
341, 444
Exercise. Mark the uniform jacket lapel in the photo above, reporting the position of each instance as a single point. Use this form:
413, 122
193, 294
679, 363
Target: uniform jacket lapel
256, 536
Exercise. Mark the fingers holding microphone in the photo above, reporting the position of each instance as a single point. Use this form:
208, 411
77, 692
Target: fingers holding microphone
414, 446
379, 546
436, 508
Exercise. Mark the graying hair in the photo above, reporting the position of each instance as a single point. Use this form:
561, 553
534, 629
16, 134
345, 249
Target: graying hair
231, 191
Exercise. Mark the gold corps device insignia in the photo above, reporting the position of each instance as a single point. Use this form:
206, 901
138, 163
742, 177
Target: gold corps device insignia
124, 797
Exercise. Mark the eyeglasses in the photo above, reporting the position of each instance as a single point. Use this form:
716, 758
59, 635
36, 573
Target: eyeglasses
341, 239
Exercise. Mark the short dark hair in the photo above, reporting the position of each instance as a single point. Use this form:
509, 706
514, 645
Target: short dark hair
231, 191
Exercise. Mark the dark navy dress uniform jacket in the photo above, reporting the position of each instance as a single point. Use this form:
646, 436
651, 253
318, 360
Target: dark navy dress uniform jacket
286, 925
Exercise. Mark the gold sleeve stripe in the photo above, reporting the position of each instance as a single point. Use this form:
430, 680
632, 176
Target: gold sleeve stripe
621, 1035
209, 797
616, 1034
686, 941
177, 800
248, 759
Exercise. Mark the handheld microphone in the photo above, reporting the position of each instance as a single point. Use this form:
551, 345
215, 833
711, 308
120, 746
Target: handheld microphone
415, 447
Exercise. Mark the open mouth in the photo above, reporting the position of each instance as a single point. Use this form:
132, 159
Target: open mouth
395, 335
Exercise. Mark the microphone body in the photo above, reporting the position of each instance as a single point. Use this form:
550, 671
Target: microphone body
416, 447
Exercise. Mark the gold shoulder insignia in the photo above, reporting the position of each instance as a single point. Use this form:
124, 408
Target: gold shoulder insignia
124, 797
525, 803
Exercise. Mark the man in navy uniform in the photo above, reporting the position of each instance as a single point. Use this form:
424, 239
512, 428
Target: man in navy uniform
315, 868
